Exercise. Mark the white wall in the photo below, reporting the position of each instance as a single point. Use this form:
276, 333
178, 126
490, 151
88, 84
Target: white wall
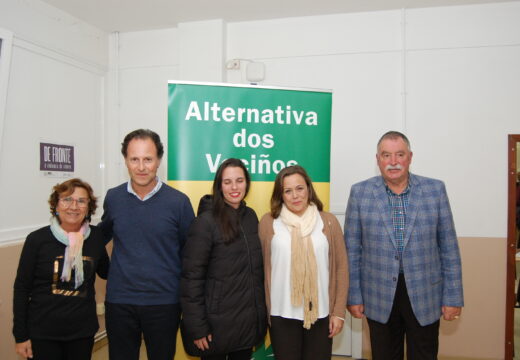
48, 27
141, 65
463, 87
55, 94
458, 66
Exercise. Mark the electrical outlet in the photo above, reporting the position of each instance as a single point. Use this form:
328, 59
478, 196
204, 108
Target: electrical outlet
233, 64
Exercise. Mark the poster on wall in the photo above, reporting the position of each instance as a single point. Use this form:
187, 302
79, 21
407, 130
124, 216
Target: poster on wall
56, 160
267, 128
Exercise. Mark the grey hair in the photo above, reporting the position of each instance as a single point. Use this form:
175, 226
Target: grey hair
394, 135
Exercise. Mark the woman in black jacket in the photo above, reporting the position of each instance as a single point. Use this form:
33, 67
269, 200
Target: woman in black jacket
222, 290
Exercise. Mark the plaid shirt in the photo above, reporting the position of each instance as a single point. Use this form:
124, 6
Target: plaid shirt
398, 204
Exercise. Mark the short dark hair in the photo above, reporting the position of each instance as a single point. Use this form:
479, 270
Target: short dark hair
226, 219
66, 188
143, 134
277, 197
394, 135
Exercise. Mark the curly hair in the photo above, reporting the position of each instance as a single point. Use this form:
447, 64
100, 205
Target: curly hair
66, 188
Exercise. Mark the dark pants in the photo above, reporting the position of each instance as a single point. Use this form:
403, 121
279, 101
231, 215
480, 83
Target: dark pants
157, 324
80, 349
291, 341
235, 355
422, 342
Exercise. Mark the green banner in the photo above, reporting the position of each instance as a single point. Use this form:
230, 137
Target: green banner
268, 128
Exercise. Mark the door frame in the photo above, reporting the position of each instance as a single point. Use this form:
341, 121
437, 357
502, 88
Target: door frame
511, 245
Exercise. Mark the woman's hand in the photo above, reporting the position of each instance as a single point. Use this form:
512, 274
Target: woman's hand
335, 325
203, 343
24, 349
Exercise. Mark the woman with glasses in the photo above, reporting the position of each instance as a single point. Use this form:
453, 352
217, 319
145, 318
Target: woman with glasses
54, 304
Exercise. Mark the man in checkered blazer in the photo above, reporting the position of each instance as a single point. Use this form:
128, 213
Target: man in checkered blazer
404, 260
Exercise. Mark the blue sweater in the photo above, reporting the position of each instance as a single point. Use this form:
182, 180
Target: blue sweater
148, 240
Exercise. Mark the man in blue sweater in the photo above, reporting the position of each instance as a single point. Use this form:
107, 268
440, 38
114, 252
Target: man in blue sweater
148, 221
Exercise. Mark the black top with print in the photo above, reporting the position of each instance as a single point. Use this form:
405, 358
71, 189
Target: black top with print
44, 306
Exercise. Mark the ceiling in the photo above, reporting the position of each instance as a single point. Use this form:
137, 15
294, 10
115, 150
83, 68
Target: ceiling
135, 15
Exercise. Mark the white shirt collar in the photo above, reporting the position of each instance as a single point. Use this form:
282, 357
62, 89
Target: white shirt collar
130, 189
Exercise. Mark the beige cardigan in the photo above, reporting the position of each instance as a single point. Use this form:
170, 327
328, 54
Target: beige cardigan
338, 267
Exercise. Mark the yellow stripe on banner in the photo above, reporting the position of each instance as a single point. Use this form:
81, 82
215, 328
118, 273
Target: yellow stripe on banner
323, 191
180, 354
259, 195
194, 189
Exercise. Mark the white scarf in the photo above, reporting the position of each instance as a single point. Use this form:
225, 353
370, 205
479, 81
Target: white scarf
73, 257
304, 270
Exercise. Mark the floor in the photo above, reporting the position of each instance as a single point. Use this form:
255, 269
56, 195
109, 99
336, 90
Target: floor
101, 352
101, 348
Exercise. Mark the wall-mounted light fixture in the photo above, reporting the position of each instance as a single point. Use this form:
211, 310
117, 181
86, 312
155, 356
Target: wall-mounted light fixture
255, 71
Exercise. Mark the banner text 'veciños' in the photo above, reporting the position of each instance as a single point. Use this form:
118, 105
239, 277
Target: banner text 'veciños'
278, 115
255, 166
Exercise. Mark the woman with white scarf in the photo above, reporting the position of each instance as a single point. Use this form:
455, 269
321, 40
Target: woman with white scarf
54, 298
305, 264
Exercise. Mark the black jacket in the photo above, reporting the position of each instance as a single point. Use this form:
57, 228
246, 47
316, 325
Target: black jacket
44, 306
222, 284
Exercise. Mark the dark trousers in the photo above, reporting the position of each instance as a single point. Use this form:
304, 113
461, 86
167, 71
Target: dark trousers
291, 341
80, 349
422, 342
157, 324
235, 355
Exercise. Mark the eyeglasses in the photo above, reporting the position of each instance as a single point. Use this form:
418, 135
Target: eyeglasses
81, 202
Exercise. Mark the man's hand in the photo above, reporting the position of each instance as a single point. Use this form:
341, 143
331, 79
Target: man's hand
450, 313
24, 349
203, 343
357, 311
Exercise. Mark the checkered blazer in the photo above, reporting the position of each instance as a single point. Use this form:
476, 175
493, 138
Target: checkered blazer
431, 258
